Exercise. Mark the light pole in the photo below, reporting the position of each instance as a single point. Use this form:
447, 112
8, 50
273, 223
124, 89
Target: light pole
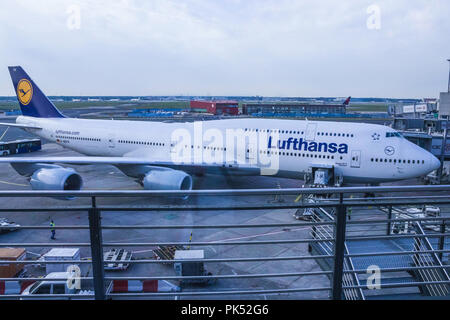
448, 89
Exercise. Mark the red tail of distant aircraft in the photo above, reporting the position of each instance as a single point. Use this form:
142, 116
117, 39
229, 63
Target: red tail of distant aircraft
347, 101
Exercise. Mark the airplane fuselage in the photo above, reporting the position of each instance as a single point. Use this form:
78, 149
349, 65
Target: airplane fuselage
359, 152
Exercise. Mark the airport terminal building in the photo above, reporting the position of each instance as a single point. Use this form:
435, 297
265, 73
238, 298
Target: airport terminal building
218, 107
292, 108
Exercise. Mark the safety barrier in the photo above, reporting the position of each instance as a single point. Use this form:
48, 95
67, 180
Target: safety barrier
341, 244
14, 287
123, 286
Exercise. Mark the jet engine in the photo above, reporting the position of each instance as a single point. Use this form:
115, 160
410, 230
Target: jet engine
56, 178
167, 180
44, 176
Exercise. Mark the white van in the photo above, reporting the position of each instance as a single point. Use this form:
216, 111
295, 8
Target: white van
55, 287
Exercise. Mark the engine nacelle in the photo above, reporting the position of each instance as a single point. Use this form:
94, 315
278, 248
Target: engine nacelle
56, 178
167, 179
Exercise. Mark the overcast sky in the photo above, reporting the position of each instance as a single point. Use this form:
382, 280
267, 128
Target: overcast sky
230, 47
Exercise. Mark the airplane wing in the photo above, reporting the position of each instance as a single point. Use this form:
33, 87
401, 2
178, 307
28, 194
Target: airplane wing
17, 125
244, 169
85, 160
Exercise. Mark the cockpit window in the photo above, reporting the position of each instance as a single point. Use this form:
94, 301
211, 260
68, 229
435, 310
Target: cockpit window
393, 134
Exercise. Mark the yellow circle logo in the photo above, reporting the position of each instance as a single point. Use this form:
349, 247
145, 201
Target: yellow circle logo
24, 91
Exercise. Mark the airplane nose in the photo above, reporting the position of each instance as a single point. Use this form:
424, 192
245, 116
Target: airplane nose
434, 163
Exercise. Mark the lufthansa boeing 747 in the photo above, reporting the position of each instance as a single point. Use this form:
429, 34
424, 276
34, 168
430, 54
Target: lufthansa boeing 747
163, 156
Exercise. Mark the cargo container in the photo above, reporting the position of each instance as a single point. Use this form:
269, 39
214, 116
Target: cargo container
60, 254
9, 270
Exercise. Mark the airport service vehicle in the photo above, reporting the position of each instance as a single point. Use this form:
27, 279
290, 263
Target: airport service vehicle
55, 287
19, 146
164, 156
8, 226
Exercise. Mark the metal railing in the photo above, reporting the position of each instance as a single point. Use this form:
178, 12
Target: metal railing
332, 234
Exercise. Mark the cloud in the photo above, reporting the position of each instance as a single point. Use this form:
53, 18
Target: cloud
251, 47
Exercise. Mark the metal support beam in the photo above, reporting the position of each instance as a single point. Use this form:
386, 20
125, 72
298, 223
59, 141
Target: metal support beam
442, 240
97, 253
440, 170
389, 222
448, 89
339, 250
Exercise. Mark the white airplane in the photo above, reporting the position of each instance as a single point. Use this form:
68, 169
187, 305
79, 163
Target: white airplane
163, 156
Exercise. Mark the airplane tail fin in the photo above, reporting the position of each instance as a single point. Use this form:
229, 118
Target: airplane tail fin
33, 102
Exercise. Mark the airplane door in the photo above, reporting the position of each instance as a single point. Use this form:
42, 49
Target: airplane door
251, 152
356, 159
111, 141
311, 131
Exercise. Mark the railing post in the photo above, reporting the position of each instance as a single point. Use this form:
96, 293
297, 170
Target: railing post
441, 240
339, 249
97, 253
389, 222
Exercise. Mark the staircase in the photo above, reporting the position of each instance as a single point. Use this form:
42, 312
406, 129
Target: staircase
436, 271
396, 280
